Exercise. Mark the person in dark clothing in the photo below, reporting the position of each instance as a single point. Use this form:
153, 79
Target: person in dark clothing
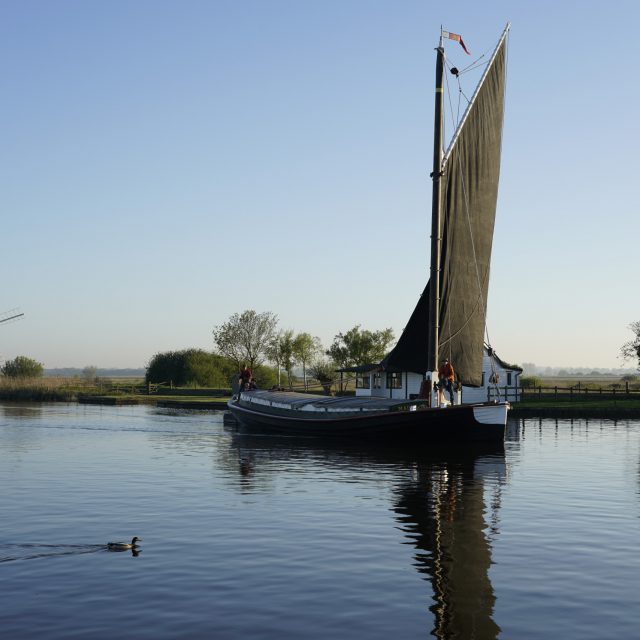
245, 377
446, 376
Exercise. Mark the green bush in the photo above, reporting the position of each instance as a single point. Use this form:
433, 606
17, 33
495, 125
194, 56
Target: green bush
530, 382
23, 367
190, 368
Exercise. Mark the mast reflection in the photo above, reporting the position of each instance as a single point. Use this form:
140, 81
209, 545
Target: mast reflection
447, 503
444, 512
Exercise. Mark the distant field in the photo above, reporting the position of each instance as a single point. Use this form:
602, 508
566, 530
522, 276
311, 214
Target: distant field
586, 381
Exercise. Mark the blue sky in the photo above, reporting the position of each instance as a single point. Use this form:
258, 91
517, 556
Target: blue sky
166, 164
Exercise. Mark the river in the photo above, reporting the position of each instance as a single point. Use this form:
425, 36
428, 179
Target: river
265, 538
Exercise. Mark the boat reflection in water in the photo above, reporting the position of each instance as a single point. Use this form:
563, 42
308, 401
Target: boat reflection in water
445, 513
446, 501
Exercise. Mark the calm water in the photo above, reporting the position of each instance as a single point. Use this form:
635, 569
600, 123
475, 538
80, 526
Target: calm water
265, 538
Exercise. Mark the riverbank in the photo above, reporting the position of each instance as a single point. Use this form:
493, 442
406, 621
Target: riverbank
132, 393
560, 412
201, 404
111, 393
605, 410
619, 408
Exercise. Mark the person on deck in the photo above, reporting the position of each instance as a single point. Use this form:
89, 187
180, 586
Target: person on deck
245, 377
446, 376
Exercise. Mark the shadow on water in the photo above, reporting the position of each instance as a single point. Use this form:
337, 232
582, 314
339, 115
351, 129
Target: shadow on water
31, 411
34, 551
446, 501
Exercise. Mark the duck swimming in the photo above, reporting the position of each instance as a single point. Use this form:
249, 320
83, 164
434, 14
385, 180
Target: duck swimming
123, 546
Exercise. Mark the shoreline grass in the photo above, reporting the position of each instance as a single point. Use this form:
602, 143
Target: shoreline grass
49, 389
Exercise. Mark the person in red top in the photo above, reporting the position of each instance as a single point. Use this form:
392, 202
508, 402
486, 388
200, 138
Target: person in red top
446, 376
245, 377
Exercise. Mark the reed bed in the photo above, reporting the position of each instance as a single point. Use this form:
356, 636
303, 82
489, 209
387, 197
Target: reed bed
43, 389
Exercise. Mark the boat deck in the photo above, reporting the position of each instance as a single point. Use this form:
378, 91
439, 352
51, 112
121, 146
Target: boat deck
308, 402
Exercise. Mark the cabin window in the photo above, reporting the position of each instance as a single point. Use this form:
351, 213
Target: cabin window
377, 381
483, 379
509, 378
363, 381
394, 381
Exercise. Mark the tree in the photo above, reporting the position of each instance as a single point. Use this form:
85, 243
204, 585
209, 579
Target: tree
274, 354
323, 371
190, 367
356, 346
245, 337
631, 350
202, 369
286, 353
165, 367
23, 367
305, 348
90, 373
530, 382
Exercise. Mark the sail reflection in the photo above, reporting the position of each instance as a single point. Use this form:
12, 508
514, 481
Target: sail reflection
446, 502
448, 512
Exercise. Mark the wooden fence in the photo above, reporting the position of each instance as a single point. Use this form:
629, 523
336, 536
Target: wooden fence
568, 394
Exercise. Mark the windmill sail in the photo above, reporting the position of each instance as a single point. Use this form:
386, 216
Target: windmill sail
471, 171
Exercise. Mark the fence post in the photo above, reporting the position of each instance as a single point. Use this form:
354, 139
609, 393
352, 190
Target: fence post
556, 392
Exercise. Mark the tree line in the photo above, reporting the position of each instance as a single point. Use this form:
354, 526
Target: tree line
254, 339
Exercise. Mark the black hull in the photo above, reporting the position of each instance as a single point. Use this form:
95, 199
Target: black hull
457, 424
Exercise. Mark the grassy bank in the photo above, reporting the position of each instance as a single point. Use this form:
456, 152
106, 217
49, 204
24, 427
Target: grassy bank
111, 392
590, 407
133, 391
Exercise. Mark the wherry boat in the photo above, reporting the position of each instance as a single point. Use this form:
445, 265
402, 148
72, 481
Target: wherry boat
449, 319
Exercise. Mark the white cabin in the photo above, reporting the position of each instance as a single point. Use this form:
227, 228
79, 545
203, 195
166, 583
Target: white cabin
372, 381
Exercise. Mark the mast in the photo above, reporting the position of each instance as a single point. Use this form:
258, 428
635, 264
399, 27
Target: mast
434, 286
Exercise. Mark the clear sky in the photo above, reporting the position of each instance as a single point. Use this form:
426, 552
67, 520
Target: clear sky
166, 164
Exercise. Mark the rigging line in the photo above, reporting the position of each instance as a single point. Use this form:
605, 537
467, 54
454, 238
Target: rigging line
478, 62
448, 342
472, 67
455, 119
480, 302
462, 93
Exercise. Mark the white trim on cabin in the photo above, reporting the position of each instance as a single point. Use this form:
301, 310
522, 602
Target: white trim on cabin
376, 383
